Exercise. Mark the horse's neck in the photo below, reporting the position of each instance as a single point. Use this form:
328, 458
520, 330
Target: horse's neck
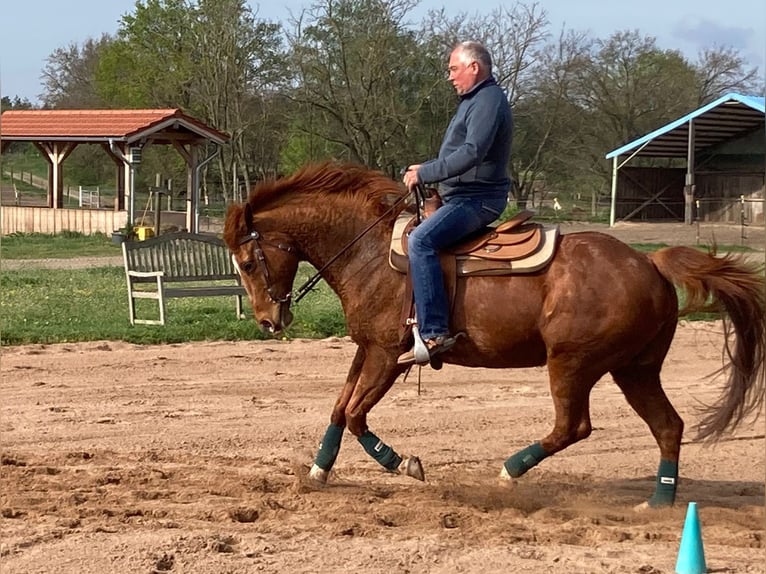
324, 235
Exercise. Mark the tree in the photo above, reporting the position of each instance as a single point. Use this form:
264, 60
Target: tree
150, 63
214, 60
69, 75
15, 103
721, 70
360, 81
547, 119
240, 64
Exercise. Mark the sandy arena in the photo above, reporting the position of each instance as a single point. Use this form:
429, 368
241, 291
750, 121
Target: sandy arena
192, 458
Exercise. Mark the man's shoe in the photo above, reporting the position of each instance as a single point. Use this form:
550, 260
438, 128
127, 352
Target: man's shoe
435, 347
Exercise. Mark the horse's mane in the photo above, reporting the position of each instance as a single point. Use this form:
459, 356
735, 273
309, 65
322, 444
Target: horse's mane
372, 188
372, 191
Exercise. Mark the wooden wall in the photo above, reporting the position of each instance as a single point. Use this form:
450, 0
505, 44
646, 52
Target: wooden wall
657, 194
727, 197
46, 220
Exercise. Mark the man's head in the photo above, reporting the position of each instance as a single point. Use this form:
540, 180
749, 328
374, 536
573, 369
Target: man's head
469, 64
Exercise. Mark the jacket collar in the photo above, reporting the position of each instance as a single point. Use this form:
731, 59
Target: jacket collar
488, 81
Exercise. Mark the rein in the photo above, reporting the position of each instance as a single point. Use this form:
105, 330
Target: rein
296, 296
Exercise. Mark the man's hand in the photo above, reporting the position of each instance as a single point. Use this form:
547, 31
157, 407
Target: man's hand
410, 178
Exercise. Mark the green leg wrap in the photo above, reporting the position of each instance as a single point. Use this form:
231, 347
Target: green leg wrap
380, 451
329, 447
525, 459
667, 482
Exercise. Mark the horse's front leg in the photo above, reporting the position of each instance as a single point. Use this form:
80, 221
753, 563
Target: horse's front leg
330, 445
376, 375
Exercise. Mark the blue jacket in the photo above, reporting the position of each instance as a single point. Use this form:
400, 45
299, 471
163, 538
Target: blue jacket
474, 155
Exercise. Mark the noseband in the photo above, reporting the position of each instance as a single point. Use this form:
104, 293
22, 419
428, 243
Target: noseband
254, 236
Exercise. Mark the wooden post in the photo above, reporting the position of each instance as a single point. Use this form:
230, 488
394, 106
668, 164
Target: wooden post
689, 186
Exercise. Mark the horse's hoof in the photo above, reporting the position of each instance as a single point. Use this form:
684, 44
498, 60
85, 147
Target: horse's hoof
318, 475
411, 466
504, 476
644, 506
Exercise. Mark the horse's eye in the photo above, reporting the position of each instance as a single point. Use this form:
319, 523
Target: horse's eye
247, 266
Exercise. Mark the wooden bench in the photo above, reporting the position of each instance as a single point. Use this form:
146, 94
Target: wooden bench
174, 265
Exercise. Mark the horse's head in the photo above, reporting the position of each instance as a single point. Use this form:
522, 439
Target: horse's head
267, 262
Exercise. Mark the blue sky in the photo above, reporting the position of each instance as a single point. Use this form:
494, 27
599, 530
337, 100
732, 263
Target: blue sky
30, 30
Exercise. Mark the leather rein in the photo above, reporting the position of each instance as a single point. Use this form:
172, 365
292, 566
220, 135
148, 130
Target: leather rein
257, 239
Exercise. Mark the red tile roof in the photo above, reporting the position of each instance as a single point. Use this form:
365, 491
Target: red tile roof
94, 125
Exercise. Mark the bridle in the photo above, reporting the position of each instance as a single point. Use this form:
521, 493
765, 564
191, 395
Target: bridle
257, 239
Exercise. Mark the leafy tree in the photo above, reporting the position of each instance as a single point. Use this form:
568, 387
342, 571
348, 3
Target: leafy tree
150, 63
15, 103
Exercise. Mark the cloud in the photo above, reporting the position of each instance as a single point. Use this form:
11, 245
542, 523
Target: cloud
707, 33
699, 34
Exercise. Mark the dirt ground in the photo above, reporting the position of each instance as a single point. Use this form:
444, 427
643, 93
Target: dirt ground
192, 458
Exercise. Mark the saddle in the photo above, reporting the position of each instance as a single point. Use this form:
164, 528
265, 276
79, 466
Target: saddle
514, 246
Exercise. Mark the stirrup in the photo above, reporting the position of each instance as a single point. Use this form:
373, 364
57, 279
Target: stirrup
420, 351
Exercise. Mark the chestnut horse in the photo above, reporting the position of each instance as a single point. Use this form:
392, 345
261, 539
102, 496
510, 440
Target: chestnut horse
599, 307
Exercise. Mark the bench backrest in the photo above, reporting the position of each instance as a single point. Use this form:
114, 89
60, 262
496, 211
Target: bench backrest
181, 256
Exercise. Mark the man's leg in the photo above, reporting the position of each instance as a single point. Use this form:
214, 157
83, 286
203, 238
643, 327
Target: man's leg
452, 222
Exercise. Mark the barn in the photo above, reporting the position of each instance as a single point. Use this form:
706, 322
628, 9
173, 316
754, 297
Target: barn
706, 166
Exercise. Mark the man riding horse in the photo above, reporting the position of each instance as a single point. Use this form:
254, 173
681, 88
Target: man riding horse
473, 175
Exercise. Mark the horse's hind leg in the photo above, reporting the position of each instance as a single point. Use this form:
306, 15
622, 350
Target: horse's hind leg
642, 388
570, 389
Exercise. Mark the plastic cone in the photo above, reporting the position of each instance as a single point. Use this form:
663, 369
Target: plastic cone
691, 553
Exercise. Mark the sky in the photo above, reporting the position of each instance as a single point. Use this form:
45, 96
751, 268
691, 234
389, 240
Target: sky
30, 30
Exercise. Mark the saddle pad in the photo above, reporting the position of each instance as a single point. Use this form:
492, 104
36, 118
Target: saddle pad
468, 265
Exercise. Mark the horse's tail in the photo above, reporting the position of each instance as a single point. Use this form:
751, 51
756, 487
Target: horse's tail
735, 289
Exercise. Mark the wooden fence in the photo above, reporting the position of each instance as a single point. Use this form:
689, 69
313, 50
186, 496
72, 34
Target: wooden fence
17, 219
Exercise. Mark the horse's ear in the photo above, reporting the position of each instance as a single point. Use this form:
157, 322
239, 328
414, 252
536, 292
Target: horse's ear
247, 216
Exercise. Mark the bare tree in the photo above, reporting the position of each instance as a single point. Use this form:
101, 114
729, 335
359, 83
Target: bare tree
69, 75
547, 119
238, 60
721, 70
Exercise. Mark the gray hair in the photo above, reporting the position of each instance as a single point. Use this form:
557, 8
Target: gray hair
471, 51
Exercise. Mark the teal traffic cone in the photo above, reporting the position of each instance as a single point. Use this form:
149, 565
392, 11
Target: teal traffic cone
691, 553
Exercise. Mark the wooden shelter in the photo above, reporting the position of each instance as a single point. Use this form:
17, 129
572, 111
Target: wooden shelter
712, 167
122, 134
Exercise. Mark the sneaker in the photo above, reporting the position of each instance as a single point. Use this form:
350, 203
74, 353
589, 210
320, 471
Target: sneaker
435, 347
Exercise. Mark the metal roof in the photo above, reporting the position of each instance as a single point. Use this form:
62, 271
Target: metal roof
128, 126
719, 121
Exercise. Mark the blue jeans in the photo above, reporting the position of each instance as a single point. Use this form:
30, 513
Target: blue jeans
453, 221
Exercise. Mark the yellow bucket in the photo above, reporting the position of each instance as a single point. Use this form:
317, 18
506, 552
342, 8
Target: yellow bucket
143, 232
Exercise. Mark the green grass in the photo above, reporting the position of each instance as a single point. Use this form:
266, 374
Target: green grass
65, 245
56, 306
